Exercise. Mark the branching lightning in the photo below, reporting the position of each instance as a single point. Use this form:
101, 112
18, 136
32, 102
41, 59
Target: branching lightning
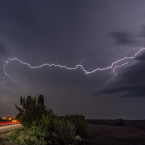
113, 66
118, 66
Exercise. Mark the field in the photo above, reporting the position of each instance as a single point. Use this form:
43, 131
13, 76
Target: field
104, 132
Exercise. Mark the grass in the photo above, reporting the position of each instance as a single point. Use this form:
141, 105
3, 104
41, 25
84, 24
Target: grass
3, 140
106, 135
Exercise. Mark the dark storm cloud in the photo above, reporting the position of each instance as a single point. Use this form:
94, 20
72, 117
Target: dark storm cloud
141, 57
122, 38
130, 81
3, 50
54, 32
4, 53
45, 28
142, 33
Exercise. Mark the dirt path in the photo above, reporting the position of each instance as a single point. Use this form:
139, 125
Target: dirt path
9, 127
4, 130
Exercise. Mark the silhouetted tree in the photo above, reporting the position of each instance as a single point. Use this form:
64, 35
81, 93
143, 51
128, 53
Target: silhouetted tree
31, 111
41, 100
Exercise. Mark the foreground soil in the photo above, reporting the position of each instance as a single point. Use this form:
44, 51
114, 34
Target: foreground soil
105, 135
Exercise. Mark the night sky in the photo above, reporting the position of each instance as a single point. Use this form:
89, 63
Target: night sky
91, 33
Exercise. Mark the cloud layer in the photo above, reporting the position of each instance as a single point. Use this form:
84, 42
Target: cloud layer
130, 81
122, 38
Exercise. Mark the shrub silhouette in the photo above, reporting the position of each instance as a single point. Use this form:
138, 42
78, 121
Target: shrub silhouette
80, 123
31, 110
43, 127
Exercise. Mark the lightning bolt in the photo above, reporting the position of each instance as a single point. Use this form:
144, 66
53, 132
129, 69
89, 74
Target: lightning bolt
118, 66
113, 66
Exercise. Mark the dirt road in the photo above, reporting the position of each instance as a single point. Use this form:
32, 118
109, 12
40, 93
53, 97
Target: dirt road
6, 128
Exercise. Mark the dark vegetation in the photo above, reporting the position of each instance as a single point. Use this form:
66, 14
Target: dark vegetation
42, 126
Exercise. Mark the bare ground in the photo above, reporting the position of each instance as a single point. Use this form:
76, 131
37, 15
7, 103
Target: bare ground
115, 135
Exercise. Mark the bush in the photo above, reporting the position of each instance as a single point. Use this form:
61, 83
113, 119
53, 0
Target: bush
43, 127
80, 123
13, 135
25, 136
61, 132
64, 131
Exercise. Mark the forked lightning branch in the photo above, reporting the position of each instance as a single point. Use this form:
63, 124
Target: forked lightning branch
114, 65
